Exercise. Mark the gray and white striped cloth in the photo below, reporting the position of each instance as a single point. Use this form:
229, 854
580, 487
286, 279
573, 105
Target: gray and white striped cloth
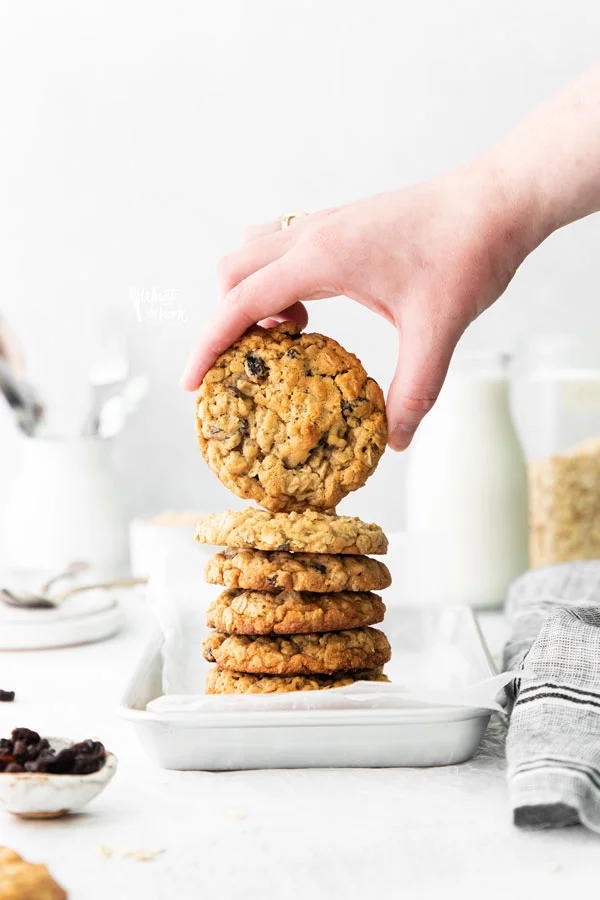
553, 742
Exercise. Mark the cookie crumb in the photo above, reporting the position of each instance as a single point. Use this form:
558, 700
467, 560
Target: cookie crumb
143, 855
7, 696
235, 815
124, 851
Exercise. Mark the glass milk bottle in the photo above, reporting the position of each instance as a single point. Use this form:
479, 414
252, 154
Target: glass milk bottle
467, 488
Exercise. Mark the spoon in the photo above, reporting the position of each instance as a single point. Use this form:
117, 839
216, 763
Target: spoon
22, 398
18, 391
75, 568
27, 600
10, 349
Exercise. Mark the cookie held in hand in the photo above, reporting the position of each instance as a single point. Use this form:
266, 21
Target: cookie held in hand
290, 420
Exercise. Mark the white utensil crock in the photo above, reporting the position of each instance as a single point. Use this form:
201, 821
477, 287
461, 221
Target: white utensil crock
64, 505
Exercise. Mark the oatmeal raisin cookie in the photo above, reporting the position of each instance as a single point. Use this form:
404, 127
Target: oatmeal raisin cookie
260, 570
307, 532
238, 611
224, 681
299, 654
290, 420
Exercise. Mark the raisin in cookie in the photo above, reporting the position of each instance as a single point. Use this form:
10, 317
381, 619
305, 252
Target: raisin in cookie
262, 571
292, 612
299, 654
290, 420
21, 880
309, 532
224, 681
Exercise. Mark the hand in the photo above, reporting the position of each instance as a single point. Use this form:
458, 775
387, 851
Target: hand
429, 259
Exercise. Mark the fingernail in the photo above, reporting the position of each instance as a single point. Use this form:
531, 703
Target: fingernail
401, 436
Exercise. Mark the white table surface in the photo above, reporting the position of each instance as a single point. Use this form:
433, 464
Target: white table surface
348, 834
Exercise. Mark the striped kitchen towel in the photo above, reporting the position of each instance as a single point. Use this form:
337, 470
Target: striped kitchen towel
553, 742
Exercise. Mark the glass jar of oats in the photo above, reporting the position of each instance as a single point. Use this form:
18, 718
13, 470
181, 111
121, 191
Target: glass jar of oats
558, 401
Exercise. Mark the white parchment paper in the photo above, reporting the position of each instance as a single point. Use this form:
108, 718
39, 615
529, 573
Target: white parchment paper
437, 658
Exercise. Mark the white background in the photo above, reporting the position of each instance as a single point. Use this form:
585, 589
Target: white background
137, 140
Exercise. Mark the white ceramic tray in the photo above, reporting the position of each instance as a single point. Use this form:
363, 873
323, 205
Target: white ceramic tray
439, 648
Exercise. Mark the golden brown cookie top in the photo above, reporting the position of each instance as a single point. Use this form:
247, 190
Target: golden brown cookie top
299, 654
263, 571
310, 532
290, 420
292, 612
224, 681
22, 880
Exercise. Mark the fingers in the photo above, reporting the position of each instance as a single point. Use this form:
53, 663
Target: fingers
264, 294
261, 245
262, 281
252, 256
426, 349
257, 231
253, 232
296, 313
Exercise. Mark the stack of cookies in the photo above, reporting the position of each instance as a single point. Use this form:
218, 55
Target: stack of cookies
292, 421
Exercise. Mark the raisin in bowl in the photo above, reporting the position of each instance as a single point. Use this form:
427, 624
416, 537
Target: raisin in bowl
44, 778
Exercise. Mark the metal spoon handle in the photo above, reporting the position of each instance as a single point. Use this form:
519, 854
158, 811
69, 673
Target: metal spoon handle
74, 569
102, 585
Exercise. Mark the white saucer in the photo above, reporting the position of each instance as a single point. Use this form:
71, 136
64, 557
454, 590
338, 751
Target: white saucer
88, 617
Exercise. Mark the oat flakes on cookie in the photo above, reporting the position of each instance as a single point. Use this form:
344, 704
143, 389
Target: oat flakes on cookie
238, 611
307, 532
299, 654
224, 681
290, 420
260, 570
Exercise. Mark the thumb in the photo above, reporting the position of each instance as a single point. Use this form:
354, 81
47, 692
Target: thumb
425, 352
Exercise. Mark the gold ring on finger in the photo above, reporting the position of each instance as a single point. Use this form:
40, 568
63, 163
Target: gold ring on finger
287, 220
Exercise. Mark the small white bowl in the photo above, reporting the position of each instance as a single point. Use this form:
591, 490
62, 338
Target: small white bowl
42, 795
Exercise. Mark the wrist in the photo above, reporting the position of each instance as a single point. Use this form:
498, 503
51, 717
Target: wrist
515, 202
